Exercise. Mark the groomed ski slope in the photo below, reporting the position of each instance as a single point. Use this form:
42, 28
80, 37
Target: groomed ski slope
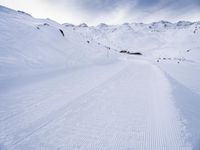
124, 105
76, 91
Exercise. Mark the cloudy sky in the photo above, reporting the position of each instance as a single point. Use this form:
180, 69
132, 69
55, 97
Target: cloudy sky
93, 12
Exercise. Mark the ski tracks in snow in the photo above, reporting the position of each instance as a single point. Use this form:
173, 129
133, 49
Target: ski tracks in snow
133, 109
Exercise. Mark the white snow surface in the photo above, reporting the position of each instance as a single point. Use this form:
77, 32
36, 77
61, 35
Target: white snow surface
66, 87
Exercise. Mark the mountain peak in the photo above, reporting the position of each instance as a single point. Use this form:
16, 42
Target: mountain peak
102, 25
84, 25
184, 23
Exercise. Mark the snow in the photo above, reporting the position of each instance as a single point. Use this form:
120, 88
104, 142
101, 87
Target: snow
36, 45
78, 92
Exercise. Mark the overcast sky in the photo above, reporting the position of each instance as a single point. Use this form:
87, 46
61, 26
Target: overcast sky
94, 12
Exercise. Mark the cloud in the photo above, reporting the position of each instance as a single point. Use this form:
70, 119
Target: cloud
109, 11
99, 6
147, 3
95, 6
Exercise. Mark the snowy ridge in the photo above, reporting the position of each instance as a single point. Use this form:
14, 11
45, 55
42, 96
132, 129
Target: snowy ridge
134, 36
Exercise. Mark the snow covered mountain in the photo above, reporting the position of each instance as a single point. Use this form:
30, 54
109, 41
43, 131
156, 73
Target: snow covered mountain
158, 38
70, 45
29, 44
130, 86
